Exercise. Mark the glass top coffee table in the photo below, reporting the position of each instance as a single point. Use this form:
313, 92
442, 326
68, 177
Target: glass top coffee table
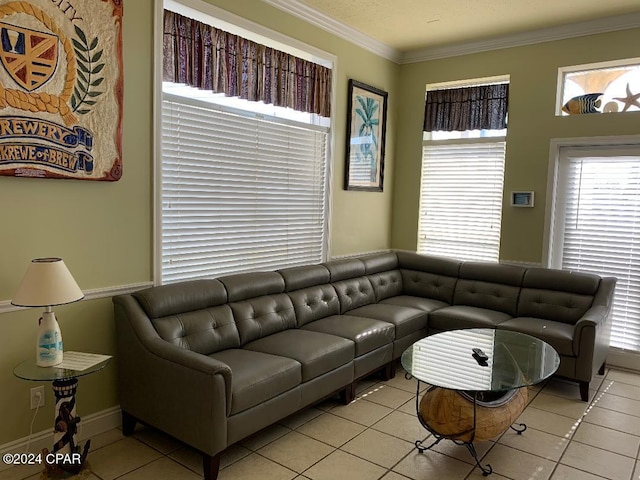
476, 379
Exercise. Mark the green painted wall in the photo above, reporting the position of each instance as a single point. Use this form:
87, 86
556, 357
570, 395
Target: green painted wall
532, 124
104, 231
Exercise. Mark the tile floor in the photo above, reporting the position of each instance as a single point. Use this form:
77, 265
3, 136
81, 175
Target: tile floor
372, 438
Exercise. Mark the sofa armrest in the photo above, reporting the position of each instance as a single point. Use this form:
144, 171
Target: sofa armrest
196, 389
188, 359
586, 329
594, 328
192, 361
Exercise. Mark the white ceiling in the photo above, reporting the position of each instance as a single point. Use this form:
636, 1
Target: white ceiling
411, 25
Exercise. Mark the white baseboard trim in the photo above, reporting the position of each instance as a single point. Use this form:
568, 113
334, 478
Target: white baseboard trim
90, 426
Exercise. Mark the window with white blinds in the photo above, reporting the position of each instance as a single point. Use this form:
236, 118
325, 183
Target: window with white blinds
597, 228
239, 192
461, 199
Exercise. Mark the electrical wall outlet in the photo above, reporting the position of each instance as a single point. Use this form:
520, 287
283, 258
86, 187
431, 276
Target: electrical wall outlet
37, 397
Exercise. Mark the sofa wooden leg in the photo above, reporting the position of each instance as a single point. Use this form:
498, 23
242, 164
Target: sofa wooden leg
211, 466
389, 371
348, 394
128, 423
584, 391
601, 371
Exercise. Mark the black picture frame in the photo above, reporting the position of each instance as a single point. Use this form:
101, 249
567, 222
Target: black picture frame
366, 132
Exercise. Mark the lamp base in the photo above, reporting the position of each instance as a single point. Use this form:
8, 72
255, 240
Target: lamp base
49, 346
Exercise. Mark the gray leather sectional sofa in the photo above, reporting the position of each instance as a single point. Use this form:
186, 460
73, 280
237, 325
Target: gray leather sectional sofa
211, 362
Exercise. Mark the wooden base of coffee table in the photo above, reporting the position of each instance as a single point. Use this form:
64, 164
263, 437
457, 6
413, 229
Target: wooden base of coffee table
455, 416
465, 417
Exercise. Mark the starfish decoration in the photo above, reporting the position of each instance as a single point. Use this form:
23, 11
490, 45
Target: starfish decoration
630, 100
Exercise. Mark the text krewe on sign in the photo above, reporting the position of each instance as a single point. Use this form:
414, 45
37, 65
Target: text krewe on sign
61, 87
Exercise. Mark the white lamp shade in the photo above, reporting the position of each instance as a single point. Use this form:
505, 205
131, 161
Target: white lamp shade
47, 282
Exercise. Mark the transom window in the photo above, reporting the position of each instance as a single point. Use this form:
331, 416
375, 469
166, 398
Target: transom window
608, 87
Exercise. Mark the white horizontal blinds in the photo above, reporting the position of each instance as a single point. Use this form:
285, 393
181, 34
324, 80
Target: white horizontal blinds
602, 233
461, 199
239, 193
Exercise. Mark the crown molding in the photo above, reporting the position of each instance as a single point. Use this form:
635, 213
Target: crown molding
572, 30
562, 32
331, 25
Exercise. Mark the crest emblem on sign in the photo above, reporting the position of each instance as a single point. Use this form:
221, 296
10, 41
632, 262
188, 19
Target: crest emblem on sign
29, 56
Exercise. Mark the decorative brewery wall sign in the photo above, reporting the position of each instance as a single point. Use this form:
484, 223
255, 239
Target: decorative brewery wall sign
61, 89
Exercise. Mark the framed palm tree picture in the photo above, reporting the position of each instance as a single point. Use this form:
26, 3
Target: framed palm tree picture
366, 127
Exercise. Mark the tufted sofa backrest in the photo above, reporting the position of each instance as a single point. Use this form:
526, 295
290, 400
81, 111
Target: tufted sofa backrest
311, 294
350, 282
489, 285
207, 316
259, 305
384, 275
558, 295
428, 276
192, 315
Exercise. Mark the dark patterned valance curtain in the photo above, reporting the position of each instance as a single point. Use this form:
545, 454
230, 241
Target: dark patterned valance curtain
467, 108
205, 57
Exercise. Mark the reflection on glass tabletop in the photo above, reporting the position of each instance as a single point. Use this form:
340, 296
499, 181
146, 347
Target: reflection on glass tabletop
481, 359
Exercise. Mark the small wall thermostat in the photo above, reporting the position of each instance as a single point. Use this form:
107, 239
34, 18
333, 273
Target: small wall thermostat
522, 199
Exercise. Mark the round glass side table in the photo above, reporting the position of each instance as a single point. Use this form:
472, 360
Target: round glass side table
66, 457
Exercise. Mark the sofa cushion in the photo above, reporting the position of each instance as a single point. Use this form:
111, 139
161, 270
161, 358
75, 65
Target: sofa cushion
428, 263
421, 303
262, 316
493, 273
557, 334
464, 316
386, 284
165, 300
296, 278
487, 295
561, 280
202, 331
489, 285
557, 295
258, 377
428, 276
366, 333
406, 319
428, 285
345, 268
243, 286
314, 303
379, 262
318, 352
563, 307
354, 293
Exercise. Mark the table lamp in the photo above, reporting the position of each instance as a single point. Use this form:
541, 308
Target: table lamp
47, 283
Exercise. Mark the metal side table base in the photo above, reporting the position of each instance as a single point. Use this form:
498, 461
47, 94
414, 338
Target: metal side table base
67, 459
